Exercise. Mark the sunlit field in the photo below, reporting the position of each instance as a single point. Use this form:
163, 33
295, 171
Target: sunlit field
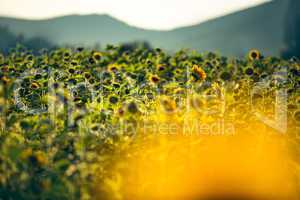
145, 124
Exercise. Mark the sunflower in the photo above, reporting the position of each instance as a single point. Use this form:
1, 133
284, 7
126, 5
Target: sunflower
208, 64
72, 81
116, 85
92, 81
29, 58
75, 93
26, 154
179, 91
77, 99
149, 62
254, 55
263, 75
177, 71
38, 76
55, 85
97, 86
161, 68
80, 105
5, 80
91, 61
215, 62
256, 77
249, 71
95, 127
158, 50
113, 99
74, 62
67, 54
297, 116
97, 56
113, 68
150, 95
198, 73
5, 69
41, 158
45, 83
34, 85
298, 100
80, 49
225, 76
71, 70
295, 72
132, 107
87, 75
154, 79
168, 104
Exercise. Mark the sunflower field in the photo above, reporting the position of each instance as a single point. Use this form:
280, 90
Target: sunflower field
146, 124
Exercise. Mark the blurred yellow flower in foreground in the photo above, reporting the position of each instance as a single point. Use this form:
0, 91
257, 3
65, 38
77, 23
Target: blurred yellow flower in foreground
244, 165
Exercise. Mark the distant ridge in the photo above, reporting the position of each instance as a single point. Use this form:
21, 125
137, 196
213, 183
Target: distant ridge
260, 27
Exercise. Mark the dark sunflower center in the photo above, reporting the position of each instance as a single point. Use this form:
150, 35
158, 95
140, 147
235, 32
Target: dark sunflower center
249, 71
254, 55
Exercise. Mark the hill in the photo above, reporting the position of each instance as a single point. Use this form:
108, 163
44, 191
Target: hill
259, 27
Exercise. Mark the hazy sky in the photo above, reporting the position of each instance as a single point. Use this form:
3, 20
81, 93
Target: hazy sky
158, 14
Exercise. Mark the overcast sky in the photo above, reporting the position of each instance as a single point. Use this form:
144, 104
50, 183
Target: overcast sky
157, 14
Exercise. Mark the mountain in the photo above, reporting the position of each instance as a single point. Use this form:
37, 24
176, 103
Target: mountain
9, 40
292, 36
261, 27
